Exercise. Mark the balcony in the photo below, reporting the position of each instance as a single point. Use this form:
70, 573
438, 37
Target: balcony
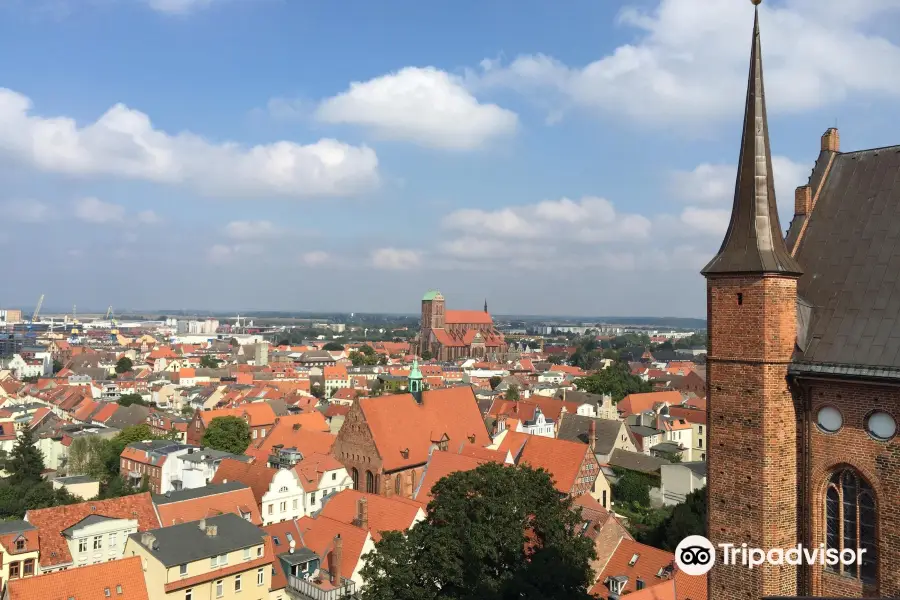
323, 591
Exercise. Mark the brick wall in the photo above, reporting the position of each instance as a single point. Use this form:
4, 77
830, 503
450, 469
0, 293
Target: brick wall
752, 419
355, 448
877, 462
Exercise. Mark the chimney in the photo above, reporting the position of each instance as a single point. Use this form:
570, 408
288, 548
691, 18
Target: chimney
148, 540
335, 557
831, 140
362, 513
211, 530
202, 524
802, 200
592, 440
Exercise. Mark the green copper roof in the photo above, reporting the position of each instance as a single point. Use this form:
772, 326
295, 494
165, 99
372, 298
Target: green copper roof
431, 295
414, 372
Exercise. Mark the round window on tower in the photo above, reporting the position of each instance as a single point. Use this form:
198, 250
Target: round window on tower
881, 425
829, 419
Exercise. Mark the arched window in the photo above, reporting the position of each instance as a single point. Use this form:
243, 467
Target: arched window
370, 482
850, 523
355, 475
398, 485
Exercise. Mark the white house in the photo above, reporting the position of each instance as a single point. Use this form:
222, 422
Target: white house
321, 476
539, 425
680, 479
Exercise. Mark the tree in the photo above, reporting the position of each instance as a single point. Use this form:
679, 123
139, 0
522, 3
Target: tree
129, 399
228, 434
26, 463
123, 365
687, 518
632, 487
427, 355
617, 381
57, 366
495, 381
209, 362
87, 456
317, 391
332, 347
512, 392
555, 359
492, 533
367, 350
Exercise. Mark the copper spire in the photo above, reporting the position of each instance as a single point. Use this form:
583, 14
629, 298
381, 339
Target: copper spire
754, 242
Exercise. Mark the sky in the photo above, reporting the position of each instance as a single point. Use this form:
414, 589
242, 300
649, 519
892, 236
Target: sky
572, 158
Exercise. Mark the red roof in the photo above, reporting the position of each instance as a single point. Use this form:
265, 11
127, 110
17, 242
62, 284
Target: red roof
561, 458
647, 561
404, 430
318, 535
119, 579
52, 521
467, 317
308, 432
103, 415
259, 413
633, 404
239, 502
440, 465
256, 475
384, 514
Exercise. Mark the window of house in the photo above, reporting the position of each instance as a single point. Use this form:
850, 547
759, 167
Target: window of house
354, 475
220, 588
98, 542
262, 432
112, 540
14, 570
119, 589
182, 570
700, 429
333, 476
850, 522
370, 482
82, 545
254, 434
398, 485
246, 553
271, 508
260, 576
189, 594
312, 498
20, 544
237, 583
28, 567
259, 550
283, 506
106, 592
604, 498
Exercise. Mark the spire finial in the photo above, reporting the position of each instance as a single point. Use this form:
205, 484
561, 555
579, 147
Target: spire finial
754, 242
756, 2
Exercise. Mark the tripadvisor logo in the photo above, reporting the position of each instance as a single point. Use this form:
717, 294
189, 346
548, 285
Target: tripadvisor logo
696, 555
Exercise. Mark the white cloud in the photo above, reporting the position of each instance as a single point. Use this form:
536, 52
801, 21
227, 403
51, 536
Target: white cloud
426, 106
713, 221
689, 62
25, 211
396, 259
94, 210
178, 7
316, 258
148, 217
251, 230
223, 253
124, 143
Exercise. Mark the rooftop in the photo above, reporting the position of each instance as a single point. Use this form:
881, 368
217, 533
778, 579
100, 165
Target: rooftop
187, 542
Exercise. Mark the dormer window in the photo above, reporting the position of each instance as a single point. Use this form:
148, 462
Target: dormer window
634, 559
20, 544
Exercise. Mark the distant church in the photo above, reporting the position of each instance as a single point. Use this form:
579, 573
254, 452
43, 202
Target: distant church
452, 334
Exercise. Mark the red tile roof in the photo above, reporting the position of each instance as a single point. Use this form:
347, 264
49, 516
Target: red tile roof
404, 430
103, 415
259, 413
385, 514
313, 466
238, 502
467, 317
561, 458
256, 475
647, 567
308, 432
52, 521
318, 535
122, 579
633, 404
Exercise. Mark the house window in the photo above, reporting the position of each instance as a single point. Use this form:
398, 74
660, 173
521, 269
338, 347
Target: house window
271, 508
262, 432
260, 576
237, 583
639, 584
354, 474
112, 540
312, 498
282, 507
28, 567
220, 588
82, 545
295, 504
333, 476
246, 553
189, 594
182, 570
14, 570
398, 485
850, 523
98, 542
254, 434
700, 443
700, 429
259, 551
604, 499
370, 482
20, 544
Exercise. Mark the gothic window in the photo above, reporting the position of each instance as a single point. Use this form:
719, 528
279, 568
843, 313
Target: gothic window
850, 523
398, 485
354, 473
370, 482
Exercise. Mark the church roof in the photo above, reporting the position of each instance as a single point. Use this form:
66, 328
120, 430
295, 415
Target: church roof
432, 295
474, 317
754, 242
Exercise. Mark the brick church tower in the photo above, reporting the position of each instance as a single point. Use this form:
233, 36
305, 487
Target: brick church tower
753, 420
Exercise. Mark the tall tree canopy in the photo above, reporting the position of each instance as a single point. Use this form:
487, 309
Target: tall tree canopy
616, 380
26, 462
332, 347
494, 533
123, 365
228, 434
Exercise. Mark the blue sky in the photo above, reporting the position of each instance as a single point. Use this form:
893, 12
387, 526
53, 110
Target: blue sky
573, 158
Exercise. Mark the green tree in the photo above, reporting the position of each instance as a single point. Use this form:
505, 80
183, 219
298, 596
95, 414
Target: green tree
332, 347
367, 350
57, 366
228, 434
129, 399
632, 487
555, 359
26, 462
495, 381
512, 392
616, 380
87, 456
687, 518
474, 543
123, 365
209, 362
427, 355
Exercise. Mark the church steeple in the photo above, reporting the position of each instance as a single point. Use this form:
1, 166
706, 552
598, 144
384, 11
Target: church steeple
415, 383
754, 242
485, 305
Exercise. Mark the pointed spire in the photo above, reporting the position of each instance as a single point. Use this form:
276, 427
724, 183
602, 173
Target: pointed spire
754, 242
485, 305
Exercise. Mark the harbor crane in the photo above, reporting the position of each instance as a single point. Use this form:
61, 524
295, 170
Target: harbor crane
37, 309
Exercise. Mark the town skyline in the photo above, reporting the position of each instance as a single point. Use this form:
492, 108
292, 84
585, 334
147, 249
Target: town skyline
592, 170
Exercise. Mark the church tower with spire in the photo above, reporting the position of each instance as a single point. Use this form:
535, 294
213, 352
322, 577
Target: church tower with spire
752, 416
